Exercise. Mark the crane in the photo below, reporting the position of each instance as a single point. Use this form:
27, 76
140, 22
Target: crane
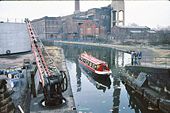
53, 81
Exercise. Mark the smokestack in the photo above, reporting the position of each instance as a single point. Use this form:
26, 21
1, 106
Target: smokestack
77, 7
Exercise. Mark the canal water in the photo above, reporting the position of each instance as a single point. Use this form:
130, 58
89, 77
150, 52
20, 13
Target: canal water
101, 94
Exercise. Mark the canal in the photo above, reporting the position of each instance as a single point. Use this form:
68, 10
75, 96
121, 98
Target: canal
101, 94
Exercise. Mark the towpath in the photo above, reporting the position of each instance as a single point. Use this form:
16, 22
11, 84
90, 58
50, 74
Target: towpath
152, 55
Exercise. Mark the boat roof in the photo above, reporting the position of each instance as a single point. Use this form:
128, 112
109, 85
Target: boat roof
92, 59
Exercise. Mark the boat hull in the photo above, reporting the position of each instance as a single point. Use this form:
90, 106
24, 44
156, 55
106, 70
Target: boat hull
101, 82
92, 71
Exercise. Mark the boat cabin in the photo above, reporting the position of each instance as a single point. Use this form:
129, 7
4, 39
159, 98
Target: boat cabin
94, 64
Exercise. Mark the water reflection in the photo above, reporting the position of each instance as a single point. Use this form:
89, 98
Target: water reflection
98, 95
113, 57
137, 104
122, 59
101, 82
132, 102
78, 76
116, 95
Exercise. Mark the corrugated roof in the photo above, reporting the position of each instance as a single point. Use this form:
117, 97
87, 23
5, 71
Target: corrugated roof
135, 31
151, 31
141, 27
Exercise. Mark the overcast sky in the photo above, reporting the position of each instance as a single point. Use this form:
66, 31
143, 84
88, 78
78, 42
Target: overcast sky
151, 13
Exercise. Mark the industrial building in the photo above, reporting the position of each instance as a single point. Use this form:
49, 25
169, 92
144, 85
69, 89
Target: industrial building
48, 27
19, 74
77, 6
15, 59
89, 28
69, 26
132, 33
102, 15
117, 13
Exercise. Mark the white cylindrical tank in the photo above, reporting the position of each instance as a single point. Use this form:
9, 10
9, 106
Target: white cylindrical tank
14, 38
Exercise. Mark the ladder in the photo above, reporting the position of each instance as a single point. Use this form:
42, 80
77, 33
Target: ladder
54, 82
40, 61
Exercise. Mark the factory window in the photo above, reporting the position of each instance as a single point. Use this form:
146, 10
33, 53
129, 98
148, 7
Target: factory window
81, 30
97, 31
121, 15
51, 36
114, 15
48, 23
103, 16
53, 22
89, 29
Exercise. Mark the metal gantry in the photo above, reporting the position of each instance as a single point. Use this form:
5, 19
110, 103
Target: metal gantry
53, 81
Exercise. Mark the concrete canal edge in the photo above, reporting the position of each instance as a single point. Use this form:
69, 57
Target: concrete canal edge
57, 55
68, 94
152, 94
147, 52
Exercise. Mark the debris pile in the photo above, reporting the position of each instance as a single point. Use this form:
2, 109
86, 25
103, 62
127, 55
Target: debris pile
6, 104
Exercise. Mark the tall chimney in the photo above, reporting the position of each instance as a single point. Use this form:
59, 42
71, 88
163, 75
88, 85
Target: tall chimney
77, 7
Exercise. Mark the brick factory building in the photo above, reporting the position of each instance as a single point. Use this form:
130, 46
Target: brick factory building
102, 15
90, 28
48, 27
65, 27
70, 27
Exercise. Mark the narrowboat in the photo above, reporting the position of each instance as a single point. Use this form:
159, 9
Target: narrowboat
101, 82
93, 64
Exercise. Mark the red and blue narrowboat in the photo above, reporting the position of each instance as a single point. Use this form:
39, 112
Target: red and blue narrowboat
93, 64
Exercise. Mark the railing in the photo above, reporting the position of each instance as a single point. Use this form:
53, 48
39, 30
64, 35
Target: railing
14, 20
163, 62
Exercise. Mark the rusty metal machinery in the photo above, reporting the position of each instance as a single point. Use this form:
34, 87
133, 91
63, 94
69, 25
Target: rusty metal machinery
53, 81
